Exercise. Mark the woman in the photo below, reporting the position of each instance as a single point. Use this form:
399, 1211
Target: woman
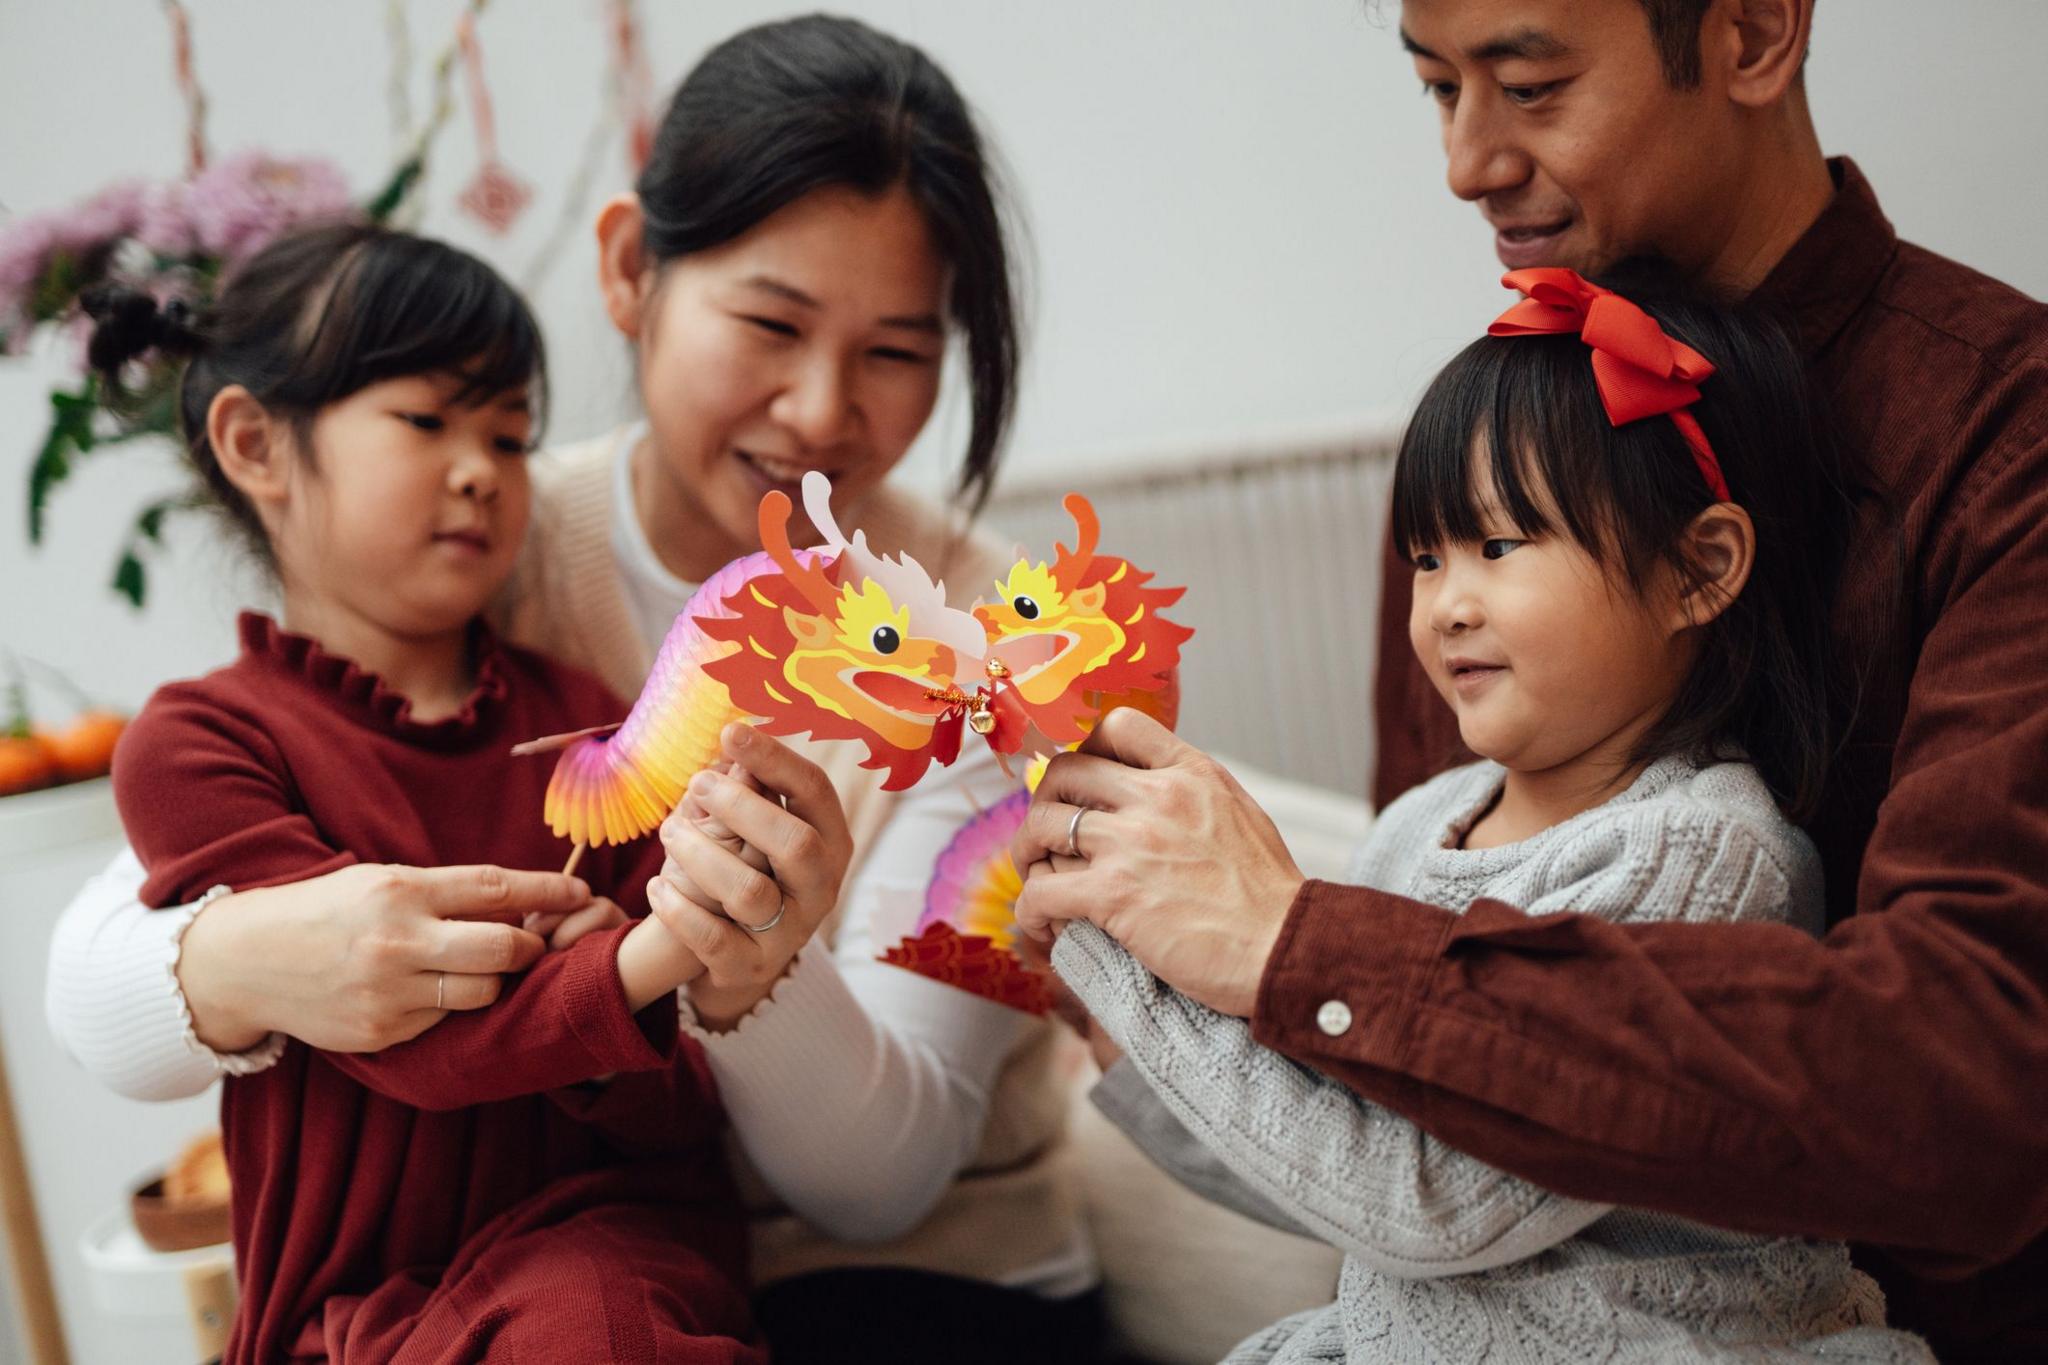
813, 225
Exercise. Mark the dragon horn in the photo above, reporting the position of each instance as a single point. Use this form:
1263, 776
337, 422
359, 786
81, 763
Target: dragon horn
808, 579
1087, 529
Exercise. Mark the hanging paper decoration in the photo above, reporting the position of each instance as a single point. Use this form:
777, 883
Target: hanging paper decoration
634, 83
188, 87
495, 197
842, 643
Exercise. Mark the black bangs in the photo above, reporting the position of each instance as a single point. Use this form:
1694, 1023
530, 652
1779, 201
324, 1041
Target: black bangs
1510, 421
399, 305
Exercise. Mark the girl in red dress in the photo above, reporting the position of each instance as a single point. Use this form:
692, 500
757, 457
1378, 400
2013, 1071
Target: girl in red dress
537, 1180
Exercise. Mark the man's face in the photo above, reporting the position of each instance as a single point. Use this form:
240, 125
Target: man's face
1560, 124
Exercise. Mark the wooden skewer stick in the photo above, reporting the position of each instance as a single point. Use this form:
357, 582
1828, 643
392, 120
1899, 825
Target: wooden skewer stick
575, 857
552, 742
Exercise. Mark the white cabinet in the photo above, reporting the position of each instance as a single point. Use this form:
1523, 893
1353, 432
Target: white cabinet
85, 1146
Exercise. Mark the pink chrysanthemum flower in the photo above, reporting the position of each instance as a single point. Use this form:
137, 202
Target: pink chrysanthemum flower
238, 204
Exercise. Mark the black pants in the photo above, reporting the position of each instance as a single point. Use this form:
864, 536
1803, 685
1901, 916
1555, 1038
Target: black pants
917, 1317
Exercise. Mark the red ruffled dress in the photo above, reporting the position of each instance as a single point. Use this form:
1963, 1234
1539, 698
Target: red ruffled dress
478, 1192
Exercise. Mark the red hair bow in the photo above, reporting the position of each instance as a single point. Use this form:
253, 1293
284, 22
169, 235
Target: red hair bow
1639, 371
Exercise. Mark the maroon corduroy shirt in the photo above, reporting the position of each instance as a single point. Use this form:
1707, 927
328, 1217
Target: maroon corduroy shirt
463, 1194
1889, 1084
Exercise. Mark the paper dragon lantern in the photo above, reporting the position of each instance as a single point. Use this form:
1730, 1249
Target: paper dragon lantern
842, 643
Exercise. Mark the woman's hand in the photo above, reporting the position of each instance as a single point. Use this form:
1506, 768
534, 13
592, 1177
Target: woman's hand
364, 957
783, 810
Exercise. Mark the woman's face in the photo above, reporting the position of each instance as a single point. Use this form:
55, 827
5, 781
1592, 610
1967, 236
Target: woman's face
812, 341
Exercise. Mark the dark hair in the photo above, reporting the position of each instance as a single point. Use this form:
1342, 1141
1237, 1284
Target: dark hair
318, 314
1675, 29
783, 109
1528, 408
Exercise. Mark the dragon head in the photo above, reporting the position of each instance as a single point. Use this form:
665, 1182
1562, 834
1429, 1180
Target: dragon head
846, 644
1086, 624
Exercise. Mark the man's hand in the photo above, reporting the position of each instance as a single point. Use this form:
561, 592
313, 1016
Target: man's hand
1176, 862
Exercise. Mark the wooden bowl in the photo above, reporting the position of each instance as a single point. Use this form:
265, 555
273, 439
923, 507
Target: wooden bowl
165, 1226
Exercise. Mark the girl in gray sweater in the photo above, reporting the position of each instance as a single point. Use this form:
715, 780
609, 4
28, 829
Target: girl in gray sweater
1622, 579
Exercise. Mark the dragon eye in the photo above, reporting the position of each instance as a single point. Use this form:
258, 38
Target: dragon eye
886, 640
1026, 608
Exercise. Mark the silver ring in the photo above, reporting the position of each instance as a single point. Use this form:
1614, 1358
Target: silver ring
440, 987
1074, 832
764, 928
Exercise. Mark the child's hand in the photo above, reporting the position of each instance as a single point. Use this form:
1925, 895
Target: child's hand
601, 913
1067, 1006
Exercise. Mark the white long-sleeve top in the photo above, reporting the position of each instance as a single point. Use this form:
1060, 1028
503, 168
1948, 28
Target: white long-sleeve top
858, 1091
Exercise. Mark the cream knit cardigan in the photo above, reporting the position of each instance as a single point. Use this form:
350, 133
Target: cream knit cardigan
1011, 1208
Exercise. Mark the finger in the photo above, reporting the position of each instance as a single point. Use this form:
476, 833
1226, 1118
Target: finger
484, 891
479, 946
543, 925
673, 874
798, 852
1048, 823
600, 914
725, 949
779, 771
445, 992
1047, 901
736, 890
1084, 779
1134, 739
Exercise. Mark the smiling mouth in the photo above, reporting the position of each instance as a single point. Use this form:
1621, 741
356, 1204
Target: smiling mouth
1463, 675
782, 473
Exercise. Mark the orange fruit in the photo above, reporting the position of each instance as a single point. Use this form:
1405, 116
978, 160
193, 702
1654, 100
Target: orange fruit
85, 748
25, 763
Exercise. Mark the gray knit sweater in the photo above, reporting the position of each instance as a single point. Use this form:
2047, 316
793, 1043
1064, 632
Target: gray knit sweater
1447, 1258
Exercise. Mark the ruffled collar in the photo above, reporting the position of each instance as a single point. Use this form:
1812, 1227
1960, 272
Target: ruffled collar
368, 696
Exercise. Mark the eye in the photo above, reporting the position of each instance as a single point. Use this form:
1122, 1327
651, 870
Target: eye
1443, 92
1500, 547
424, 421
1026, 608
885, 640
1425, 563
1527, 94
511, 445
773, 325
899, 355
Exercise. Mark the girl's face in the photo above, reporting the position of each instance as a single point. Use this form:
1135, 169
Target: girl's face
812, 341
410, 515
1547, 659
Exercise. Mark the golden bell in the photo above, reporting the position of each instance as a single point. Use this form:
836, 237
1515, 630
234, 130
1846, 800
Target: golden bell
982, 721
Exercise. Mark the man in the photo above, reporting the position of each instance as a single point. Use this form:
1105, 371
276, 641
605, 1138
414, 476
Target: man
1883, 1085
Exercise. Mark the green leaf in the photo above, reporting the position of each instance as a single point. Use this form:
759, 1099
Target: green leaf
71, 433
396, 189
129, 579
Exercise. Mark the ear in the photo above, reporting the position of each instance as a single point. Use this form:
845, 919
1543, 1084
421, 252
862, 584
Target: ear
254, 448
1765, 41
1720, 544
622, 274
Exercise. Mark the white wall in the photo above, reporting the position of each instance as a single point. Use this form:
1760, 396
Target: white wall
1237, 208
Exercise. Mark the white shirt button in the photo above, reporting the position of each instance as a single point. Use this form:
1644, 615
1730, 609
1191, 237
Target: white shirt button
1334, 1017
